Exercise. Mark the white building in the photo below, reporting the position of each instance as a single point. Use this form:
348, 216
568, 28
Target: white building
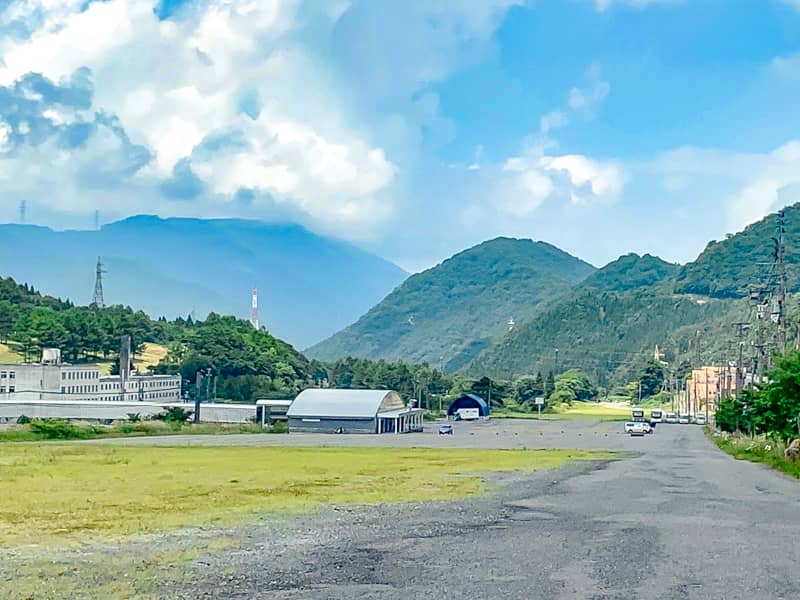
53, 380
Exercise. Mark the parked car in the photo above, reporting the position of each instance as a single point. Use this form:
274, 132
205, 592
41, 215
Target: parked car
445, 429
671, 418
629, 426
638, 429
700, 419
656, 415
684, 419
648, 428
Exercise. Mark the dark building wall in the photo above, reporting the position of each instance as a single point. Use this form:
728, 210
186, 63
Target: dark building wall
467, 402
330, 425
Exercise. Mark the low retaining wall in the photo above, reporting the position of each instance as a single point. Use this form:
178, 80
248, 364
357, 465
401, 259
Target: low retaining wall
11, 410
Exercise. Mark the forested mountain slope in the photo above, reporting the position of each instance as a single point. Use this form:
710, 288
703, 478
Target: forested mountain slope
727, 268
452, 311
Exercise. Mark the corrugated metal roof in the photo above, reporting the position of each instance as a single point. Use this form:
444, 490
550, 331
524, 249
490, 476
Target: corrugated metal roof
356, 404
482, 404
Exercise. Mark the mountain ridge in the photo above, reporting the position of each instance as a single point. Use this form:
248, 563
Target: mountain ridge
176, 266
450, 312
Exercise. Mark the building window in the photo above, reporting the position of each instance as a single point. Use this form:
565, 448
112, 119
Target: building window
63, 375
2, 374
11, 374
2, 389
62, 389
11, 389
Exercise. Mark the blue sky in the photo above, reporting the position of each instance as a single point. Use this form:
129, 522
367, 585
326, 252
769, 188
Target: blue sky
413, 129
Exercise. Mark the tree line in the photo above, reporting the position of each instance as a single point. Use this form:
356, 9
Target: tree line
770, 408
245, 364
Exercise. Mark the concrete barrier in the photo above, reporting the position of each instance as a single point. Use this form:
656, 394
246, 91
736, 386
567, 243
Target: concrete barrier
11, 410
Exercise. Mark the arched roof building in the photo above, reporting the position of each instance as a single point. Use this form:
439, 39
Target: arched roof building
352, 411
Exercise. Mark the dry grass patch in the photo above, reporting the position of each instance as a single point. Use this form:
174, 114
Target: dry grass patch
8, 356
63, 493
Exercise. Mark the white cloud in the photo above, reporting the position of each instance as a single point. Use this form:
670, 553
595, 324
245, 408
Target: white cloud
582, 101
553, 120
745, 186
603, 5
5, 136
586, 99
526, 181
534, 177
309, 141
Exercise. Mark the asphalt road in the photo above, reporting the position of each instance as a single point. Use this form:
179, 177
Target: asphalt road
680, 520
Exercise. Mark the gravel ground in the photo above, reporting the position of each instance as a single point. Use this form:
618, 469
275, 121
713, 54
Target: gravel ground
680, 520
497, 433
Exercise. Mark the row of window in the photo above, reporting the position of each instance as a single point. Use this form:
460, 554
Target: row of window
80, 374
78, 389
8, 375
11, 389
132, 397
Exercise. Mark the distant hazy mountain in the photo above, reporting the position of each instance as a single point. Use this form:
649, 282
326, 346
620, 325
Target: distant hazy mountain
309, 286
452, 311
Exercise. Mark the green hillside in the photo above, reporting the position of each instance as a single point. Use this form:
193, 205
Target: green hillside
610, 323
726, 269
604, 333
456, 309
248, 363
630, 272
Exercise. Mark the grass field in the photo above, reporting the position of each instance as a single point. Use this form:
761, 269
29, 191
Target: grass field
577, 410
150, 356
8, 356
74, 493
760, 450
84, 431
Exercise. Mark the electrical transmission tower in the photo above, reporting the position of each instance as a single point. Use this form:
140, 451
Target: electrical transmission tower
97, 299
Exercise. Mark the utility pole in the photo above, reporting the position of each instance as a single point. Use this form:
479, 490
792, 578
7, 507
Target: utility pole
556, 364
198, 386
780, 255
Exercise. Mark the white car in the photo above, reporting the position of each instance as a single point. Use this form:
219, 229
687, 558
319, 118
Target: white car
700, 419
637, 429
647, 427
629, 426
671, 418
684, 419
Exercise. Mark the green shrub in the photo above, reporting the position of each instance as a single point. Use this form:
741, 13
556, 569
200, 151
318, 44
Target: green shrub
23, 420
279, 427
175, 415
58, 429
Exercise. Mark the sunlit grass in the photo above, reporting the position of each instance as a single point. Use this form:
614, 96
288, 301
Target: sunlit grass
761, 450
150, 356
9, 356
61, 493
577, 410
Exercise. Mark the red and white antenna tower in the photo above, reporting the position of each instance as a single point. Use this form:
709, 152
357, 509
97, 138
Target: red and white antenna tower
254, 310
